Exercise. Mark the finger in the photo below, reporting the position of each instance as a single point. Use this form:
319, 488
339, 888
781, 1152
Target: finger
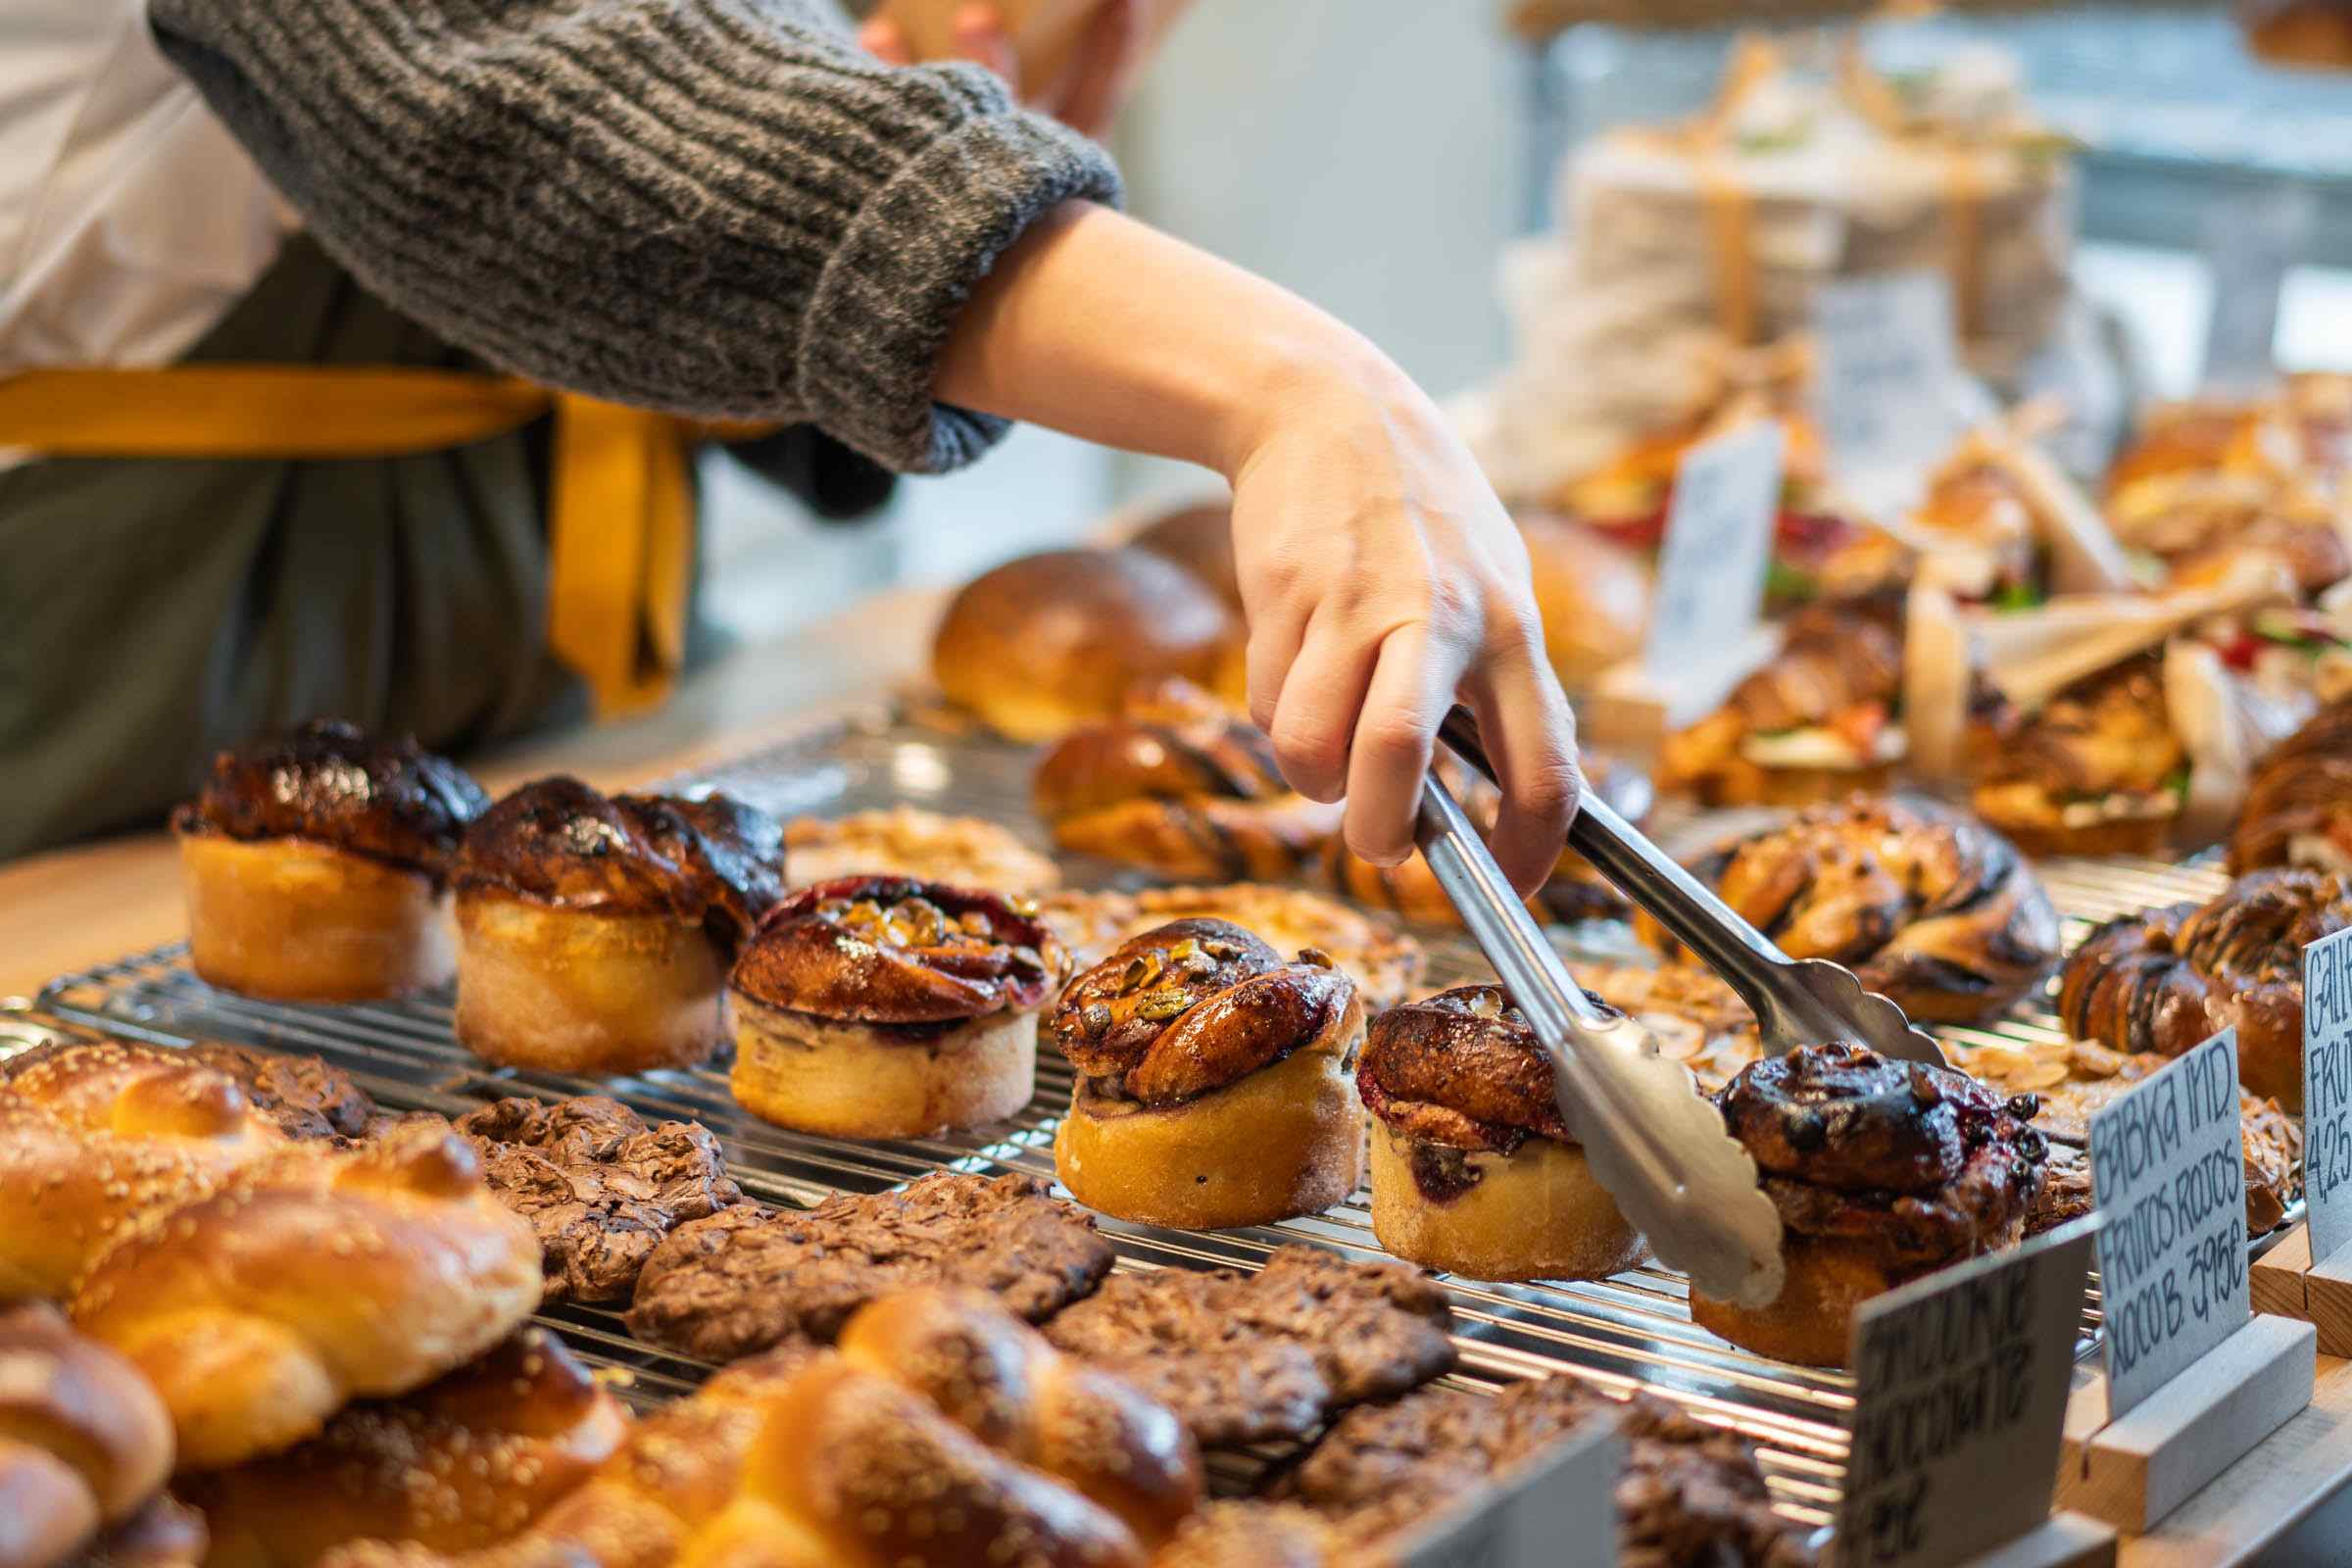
1109, 55
886, 41
1410, 690
1314, 722
982, 38
1530, 734
1277, 631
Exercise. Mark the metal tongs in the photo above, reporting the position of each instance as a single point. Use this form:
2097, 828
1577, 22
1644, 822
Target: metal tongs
1657, 1145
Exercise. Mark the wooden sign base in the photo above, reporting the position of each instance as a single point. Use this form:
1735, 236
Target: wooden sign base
2061, 1540
2132, 1472
2285, 1281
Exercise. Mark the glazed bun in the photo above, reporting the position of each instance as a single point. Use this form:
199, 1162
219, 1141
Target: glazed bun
1594, 597
1214, 1084
84, 1443
310, 1281
1199, 539
1048, 641
1473, 1169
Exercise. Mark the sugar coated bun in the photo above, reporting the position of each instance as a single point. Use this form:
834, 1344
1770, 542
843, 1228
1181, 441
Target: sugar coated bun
1046, 641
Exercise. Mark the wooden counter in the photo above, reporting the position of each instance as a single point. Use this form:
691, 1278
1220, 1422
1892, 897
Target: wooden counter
71, 908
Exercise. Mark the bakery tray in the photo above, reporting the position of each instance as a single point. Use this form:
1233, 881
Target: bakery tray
1633, 1331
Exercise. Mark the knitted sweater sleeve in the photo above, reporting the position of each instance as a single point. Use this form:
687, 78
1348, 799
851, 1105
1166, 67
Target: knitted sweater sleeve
715, 207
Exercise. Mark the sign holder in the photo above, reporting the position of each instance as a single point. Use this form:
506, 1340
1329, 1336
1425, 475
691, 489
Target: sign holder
2287, 1283
2192, 1377
2307, 1274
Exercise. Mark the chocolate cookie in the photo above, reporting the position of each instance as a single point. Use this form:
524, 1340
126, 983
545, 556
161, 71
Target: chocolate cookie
307, 1098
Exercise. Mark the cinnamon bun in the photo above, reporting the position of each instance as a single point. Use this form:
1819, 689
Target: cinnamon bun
2298, 809
2098, 770
1814, 722
594, 933
1182, 786
316, 865
1473, 1170
1213, 1081
2170, 979
1924, 904
884, 1007
1882, 1172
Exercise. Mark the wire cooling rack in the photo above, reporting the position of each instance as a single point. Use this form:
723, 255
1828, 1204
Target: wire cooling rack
1629, 1332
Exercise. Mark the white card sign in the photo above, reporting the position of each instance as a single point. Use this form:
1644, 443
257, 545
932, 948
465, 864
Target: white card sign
1888, 395
2167, 1176
2251, 238
1960, 1386
2327, 1091
1559, 1510
1719, 528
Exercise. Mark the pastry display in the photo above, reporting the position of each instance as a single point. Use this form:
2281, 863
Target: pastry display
308, 1099
316, 865
1041, 644
1817, 721
1473, 1170
95, 1137
2000, 524
881, 1008
1199, 539
965, 851
459, 1464
942, 1434
1924, 904
2167, 980
1385, 964
595, 932
1213, 1083
1180, 785
2298, 807
1689, 1492
598, 1185
1246, 1357
2209, 482
85, 1446
748, 1279
305, 1282
1882, 1172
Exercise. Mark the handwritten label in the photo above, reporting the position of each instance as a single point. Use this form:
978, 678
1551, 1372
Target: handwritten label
1557, 1511
1960, 1385
1727, 498
1888, 393
2251, 238
2168, 1175
2327, 1091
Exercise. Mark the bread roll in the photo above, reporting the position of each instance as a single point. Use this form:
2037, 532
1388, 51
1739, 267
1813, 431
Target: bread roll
1046, 641
84, 1443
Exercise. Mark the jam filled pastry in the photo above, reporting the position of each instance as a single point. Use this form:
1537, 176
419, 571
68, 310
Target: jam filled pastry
1882, 1172
1473, 1170
595, 933
458, 1464
2167, 980
1213, 1081
2298, 809
1924, 904
316, 865
1184, 787
882, 1007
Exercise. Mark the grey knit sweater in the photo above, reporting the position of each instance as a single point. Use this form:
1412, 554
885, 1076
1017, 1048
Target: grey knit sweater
715, 207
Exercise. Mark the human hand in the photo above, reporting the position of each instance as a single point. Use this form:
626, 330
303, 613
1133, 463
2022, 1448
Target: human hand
1086, 94
1384, 582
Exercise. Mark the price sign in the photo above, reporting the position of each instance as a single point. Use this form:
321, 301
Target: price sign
2168, 1175
2251, 238
2327, 1091
1889, 387
1559, 1510
1727, 497
1960, 1385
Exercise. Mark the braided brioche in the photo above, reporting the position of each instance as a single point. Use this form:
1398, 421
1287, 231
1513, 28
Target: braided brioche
259, 1311
467, 1461
85, 1444
93, 1136
942, 1434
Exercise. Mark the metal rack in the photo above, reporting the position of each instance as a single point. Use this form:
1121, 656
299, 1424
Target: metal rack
1628, 1332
